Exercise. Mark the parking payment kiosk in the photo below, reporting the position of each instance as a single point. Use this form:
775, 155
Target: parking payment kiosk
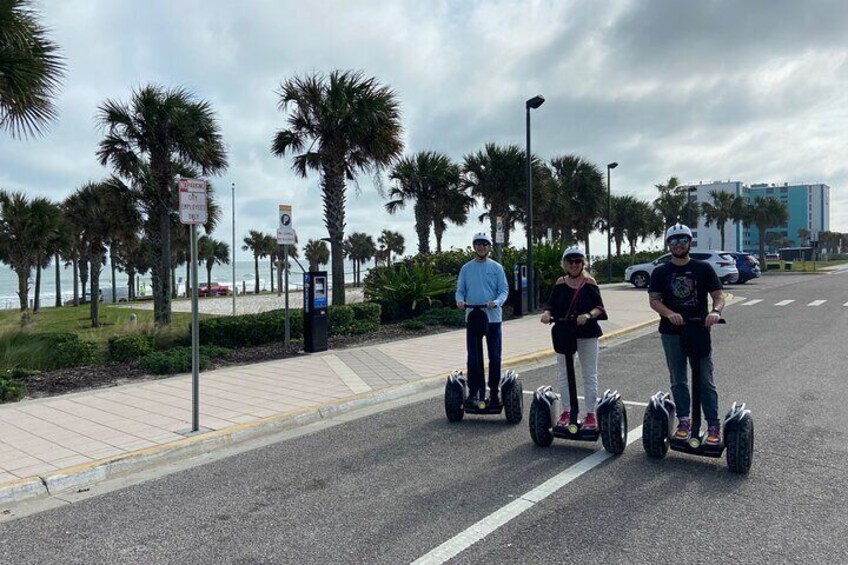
315, 311
520, 292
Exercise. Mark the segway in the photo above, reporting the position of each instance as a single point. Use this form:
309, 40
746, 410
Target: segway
658, 421
458, 401
546, 408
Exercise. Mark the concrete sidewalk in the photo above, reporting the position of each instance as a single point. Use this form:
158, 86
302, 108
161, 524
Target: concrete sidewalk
54, 444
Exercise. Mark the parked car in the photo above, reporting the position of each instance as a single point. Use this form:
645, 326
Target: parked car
722, 263
748, 265
122, 294
212, 289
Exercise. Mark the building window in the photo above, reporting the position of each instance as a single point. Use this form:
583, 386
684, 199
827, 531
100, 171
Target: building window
769, 190
784, 189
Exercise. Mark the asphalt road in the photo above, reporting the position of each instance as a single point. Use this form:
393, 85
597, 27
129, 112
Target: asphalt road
393, 485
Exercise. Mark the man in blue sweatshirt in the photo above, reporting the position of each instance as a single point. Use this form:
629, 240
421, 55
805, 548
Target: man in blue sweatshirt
483, 281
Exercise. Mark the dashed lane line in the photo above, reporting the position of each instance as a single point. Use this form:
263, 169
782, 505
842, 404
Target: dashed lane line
816, 302
784, 302
477, 532
752, 302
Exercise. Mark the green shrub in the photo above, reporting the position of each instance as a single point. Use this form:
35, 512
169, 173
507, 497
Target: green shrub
130, 347
176, 360
10, 390
340, 319
414, 324
76, 352
250, 329
444, 317
213, 351
402, 289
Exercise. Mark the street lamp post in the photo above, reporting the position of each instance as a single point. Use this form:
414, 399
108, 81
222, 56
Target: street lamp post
233, 289
533, 103
609, 225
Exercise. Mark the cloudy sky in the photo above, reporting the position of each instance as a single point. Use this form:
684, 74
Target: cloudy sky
755, 91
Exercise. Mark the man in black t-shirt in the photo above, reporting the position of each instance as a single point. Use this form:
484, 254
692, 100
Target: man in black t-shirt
678, 291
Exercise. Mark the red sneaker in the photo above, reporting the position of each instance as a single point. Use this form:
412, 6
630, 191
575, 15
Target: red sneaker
564, 419
589, 423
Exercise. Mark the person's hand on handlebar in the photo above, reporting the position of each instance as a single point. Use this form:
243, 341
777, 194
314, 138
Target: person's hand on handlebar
546, 317
712, 318
676, 319
461, 304
491, 304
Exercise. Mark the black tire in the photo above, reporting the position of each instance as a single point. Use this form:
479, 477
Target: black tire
640, 279
453, 402
614, 428
540, 424
654, 434
740, 446
514, 403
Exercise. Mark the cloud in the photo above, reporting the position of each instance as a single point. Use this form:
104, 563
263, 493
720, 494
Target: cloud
751, 91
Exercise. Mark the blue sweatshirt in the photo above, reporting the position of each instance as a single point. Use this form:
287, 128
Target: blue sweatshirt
481, 282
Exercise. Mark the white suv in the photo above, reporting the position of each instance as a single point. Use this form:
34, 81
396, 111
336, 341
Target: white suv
722, 263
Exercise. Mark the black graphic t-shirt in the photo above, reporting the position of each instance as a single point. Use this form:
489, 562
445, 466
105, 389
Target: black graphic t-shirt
684, 290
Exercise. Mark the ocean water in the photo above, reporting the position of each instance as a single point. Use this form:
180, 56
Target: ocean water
222, 274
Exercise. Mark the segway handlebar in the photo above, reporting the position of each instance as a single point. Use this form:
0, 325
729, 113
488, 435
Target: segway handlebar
702, 320
476, 306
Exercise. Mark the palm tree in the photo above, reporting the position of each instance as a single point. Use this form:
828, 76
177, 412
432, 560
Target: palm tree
134, 255
317, 253
579, 184
49, 216
31, 70
424, 178
622, 212
210, 252
270, 249
255, 243
360, 248
394, 242
451, 205
671, 202
764, 213
159, 134
105, 209
59, 246
343, 124
803, 236
497, 175
725, 207
644, 222
25, 227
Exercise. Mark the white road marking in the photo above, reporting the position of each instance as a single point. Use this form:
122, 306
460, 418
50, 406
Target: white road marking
846, 304
784, 302
816, 302
752, 302
498, 518
631, 402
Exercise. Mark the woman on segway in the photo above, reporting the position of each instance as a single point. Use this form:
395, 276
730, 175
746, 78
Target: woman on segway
678, 292
576, 297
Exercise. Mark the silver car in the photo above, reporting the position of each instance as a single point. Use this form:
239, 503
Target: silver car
722, 263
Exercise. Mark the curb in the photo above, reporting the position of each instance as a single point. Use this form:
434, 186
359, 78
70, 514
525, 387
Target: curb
87, 474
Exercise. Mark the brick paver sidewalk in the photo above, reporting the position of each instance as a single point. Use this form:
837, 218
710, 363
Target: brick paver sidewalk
43, 438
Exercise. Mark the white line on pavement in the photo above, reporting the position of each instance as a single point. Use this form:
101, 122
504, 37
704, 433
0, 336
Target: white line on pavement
631, 402
495, 520
846, 304
816, 302
752, 302
784, 302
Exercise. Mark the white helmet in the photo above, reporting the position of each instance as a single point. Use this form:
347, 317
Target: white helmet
678, 229
574, 251
481, 236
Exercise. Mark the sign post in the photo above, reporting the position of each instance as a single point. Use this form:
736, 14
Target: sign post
499, 235
193, 212
286, 236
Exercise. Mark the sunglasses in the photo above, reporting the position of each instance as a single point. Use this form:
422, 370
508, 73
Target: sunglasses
678, 240
578, 260
483, 243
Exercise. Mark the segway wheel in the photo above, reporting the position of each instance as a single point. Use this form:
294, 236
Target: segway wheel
453, 402
740, 446
654, 434
540, 424
614, 428
514, 402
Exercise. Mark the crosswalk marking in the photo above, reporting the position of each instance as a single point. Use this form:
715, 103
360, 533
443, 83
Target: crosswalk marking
784, 302
816, 302
752, 302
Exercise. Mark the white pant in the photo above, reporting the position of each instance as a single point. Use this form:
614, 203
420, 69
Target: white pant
587, 353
